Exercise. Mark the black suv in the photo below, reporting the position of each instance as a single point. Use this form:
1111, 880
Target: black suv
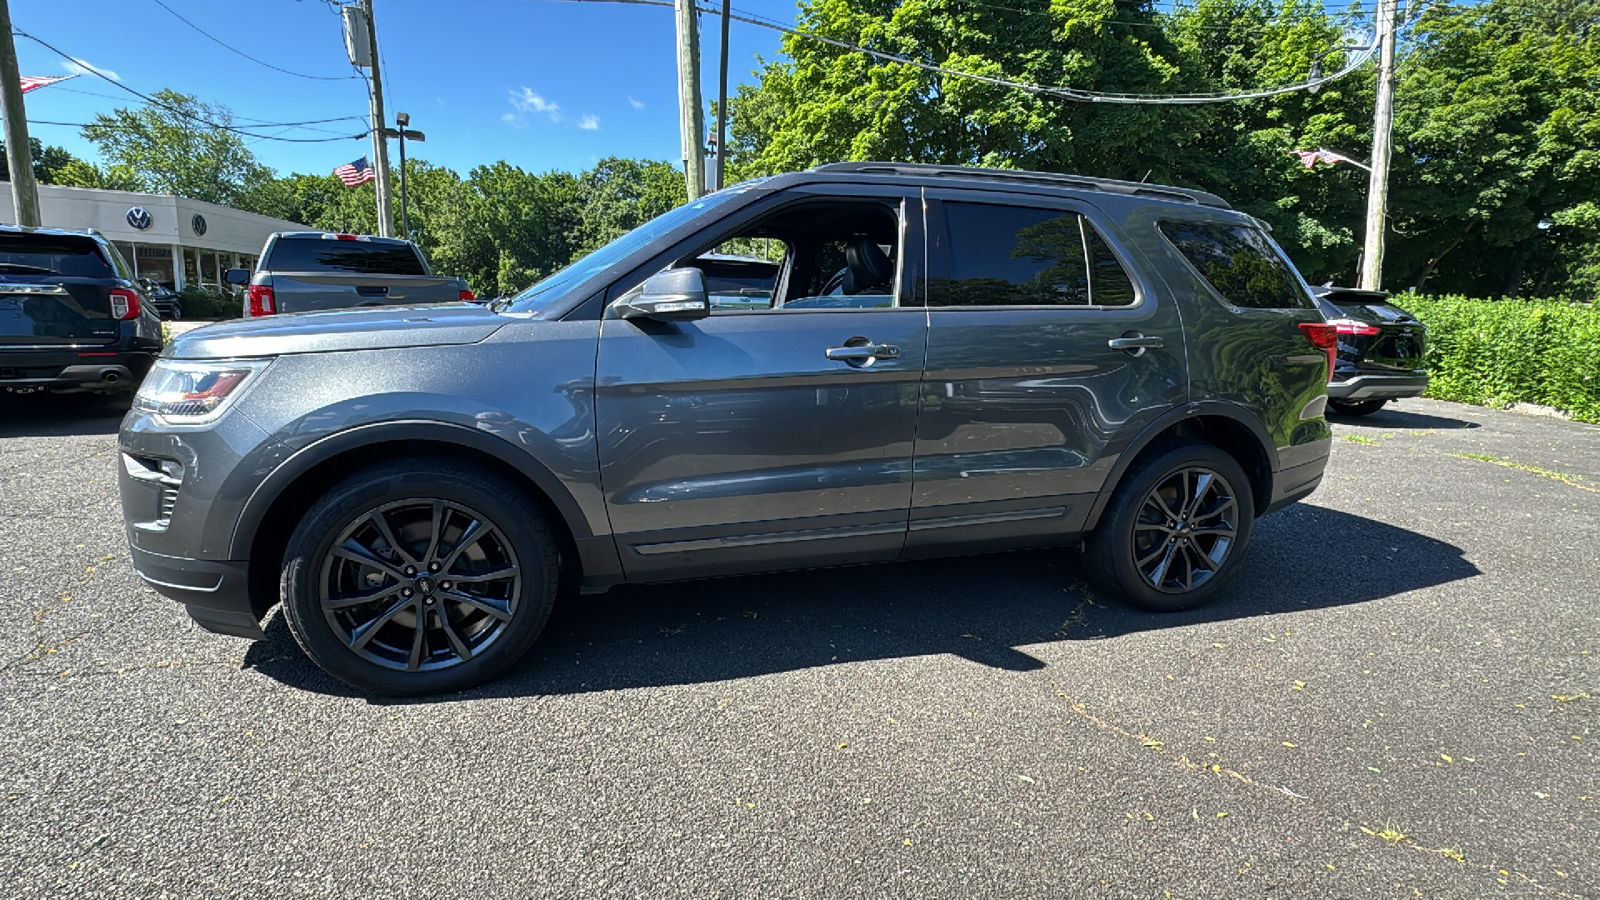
72, 317
862, 362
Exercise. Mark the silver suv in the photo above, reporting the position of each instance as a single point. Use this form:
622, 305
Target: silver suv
862, 362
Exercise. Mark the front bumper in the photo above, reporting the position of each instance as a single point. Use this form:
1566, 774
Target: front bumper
216, 592
1376, 387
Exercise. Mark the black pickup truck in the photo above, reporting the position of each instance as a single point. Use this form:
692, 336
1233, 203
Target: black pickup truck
311, 271
72, 317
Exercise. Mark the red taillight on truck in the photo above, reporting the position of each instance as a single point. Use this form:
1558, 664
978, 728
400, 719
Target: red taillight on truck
124, 303
1323, 336
468, 296
261, 302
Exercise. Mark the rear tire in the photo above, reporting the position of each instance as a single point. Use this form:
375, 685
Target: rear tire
1355, 407
1175, 529
419, 577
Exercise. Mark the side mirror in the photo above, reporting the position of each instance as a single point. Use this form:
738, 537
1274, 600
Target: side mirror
675, 295
241, 277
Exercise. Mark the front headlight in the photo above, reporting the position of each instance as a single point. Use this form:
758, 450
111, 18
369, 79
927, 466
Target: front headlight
186, 392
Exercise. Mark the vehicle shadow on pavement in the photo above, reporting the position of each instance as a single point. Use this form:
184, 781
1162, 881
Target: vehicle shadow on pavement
987, 609
64, 415
1389, 417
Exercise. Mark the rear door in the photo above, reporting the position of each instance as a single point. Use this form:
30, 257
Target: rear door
1044, 347
54, 292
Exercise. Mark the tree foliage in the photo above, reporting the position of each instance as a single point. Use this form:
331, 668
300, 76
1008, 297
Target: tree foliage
168, 148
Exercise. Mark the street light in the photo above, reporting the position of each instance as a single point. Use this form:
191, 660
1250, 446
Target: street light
403, 119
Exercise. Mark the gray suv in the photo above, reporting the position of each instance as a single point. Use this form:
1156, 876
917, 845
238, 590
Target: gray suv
862, 362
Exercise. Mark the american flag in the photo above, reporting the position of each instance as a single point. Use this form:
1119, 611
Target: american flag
1310, 158
29, 82
355, 173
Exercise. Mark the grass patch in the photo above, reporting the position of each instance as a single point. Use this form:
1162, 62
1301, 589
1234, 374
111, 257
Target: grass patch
1563, 477
1358, 439
1391, 833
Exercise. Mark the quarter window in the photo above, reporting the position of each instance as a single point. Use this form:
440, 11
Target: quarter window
1026, 256
1239, 262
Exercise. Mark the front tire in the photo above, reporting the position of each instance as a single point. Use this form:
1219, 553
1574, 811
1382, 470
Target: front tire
419, 577
1175, 529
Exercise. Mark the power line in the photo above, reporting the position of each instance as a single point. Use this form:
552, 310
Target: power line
1065, 93
172, 109
253, 137
263, 62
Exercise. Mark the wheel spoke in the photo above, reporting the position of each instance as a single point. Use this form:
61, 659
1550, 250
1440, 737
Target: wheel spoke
1221, 531
496, 575
1160, 504
381, 521
1218, 511
1160, 548
419, 634
1204, 558
1160, 575
456, 643
361, 599
491, 607
470, 536
1201, 485
360, 637
356, 553
435, 526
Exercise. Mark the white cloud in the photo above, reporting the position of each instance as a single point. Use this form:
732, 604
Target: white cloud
81, 67
526, 102
513, 120
589, 122
636, 104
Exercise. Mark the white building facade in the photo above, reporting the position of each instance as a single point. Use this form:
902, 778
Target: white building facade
166, 238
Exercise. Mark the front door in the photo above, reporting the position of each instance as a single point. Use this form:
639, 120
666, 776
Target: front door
1043, 350
777, 433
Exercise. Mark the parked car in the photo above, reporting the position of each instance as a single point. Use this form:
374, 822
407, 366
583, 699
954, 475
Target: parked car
167, 303
311, 271
72, 317
1130, 369
1381, 349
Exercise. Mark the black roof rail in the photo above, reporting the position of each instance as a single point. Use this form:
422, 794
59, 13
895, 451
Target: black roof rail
1022, 176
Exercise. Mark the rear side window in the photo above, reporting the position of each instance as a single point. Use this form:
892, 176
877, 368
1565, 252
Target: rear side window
38, 254
1026, 256
324, 255
1239, 262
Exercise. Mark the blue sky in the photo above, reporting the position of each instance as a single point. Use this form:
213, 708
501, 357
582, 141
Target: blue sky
542, 84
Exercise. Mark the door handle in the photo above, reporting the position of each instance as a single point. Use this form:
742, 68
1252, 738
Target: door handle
1135, 342
857, 353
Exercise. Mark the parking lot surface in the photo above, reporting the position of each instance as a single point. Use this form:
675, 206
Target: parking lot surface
1396, 698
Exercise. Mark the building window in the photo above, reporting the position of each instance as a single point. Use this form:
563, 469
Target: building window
154, 262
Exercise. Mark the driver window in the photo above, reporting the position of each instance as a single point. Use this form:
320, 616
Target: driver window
811, 255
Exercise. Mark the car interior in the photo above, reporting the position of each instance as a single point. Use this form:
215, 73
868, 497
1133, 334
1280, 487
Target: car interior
812, 255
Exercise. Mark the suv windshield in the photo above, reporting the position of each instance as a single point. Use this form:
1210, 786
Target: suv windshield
541, 294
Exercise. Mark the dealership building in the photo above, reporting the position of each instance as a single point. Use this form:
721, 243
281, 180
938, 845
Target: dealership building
166, 238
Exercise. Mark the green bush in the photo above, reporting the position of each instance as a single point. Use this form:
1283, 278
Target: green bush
206, 302
1499, 352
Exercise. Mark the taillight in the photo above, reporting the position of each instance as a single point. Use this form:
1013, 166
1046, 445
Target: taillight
1353, 326
1323, 336
261, 302
124, 304
468, 296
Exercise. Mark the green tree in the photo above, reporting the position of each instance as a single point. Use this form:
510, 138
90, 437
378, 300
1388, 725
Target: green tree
173, 151
48, 161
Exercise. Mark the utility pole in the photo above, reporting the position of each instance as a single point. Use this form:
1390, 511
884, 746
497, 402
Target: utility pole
380, 143
722, 102
19, 150
691, 117
1382, 122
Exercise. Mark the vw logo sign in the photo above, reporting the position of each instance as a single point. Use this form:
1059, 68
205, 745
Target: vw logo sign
198, 223
139, 218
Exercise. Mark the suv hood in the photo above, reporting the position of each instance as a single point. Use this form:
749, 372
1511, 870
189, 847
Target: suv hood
349, 329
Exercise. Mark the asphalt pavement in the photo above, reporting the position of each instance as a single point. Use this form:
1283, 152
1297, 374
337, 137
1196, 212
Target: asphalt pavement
1396, 698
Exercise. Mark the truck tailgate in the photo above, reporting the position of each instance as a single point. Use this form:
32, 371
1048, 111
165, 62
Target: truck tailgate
312, 291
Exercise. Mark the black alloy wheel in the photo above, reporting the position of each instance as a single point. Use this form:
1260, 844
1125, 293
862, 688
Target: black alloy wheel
1175, 529
414, 579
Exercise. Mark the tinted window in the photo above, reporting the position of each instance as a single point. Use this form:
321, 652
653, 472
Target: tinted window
38, 254
322, 255
1022, 256
1239, 262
